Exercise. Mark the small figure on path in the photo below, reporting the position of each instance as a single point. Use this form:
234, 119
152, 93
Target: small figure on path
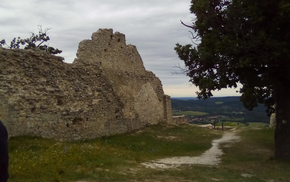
4, 158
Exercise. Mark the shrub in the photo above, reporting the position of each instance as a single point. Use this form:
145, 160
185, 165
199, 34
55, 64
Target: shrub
35, 41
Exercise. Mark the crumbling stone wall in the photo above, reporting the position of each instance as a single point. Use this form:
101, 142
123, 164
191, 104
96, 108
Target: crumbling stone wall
105, 91
179, 120
138, 89
168, 110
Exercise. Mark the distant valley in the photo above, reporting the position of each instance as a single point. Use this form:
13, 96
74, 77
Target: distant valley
217, 109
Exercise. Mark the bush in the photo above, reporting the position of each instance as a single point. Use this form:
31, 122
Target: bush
35, 41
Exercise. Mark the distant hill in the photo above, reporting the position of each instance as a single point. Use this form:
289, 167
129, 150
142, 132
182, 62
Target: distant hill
226, 106
184, 98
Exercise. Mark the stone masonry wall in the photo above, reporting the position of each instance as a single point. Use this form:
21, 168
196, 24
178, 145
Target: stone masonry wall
168, 110
105, 91
138, 89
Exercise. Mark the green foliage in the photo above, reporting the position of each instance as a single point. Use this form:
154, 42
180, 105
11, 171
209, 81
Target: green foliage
240, 41
246, 42
35, 41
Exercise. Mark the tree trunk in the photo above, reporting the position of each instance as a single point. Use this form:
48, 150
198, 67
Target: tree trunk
282, 132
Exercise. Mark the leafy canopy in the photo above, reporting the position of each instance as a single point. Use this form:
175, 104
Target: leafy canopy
35, 41
239, 41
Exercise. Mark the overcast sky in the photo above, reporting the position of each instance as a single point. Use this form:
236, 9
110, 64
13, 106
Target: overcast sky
153, 26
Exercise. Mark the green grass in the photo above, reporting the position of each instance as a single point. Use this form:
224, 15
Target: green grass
118, 158
105, 159
254, 155
257, 124
229, 123
219, 102
191, 113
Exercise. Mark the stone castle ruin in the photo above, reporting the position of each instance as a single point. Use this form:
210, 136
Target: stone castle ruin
105, 91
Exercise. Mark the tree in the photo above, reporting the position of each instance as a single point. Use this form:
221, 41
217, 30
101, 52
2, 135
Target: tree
35, 41
246, 42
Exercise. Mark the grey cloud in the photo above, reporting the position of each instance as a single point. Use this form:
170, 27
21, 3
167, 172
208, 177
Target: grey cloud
153, 26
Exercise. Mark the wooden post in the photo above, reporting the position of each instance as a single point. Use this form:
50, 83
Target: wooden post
222, 125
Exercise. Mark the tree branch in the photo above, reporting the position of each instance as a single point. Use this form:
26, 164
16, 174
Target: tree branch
40, 43
186, 25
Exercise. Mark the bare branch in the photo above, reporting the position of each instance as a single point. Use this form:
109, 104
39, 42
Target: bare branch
186, 25
193, 38
183, 71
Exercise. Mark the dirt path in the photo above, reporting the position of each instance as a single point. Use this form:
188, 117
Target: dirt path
209, 157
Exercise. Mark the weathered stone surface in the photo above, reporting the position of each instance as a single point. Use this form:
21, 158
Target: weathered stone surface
105, 91
168, 111
179, 120
140, 91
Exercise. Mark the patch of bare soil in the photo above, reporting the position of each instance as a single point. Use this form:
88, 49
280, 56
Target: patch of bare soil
209, 157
